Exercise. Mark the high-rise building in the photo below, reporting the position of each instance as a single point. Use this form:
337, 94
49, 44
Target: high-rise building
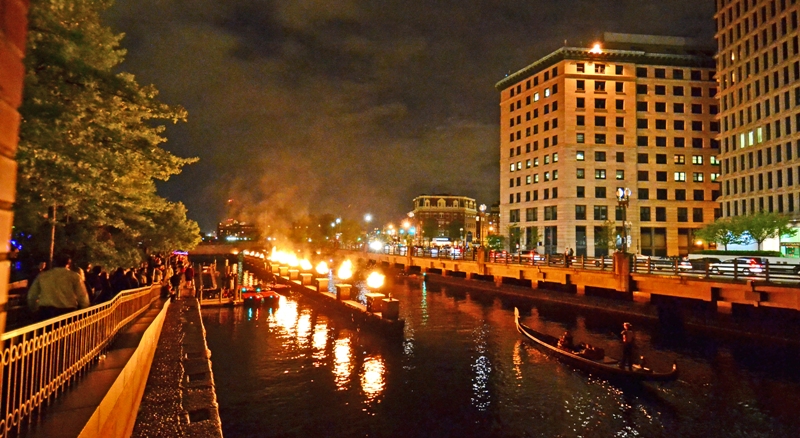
636, 112
759, 81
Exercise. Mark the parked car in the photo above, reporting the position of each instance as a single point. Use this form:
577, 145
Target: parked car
742, 265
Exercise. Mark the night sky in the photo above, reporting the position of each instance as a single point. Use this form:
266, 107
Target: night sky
352, 106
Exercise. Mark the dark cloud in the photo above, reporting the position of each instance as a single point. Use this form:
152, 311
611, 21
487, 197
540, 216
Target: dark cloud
353, 106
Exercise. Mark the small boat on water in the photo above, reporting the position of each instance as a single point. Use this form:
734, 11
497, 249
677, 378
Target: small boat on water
604, 366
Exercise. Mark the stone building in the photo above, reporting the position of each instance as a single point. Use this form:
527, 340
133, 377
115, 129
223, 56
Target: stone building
445, 211
636, 112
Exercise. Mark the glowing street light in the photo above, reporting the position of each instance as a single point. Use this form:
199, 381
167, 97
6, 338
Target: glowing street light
367, 218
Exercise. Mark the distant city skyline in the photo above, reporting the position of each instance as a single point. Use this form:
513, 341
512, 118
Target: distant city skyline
298, 107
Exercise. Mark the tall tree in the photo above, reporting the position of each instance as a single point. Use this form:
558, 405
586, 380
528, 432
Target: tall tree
89, 149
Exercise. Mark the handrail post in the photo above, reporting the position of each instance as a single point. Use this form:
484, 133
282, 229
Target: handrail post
735, 269
649, 265
602, 262
766, 269
583, 262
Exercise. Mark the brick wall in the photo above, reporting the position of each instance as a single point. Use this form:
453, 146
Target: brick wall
13, 30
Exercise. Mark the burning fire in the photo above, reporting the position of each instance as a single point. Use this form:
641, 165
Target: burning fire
375, 280
322, 268
346, 270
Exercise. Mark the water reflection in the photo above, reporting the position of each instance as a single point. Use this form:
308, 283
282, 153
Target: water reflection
342, 365
372, 377
482, 369
319, 343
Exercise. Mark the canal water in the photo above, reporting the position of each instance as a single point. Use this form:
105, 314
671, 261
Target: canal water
462, 370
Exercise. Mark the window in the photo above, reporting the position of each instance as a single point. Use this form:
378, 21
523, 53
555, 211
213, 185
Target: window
620, 104
619, 87
600, 139
661, 176
677, 90
699, 195
642, 158
677, 108
680, 194
661, 194
680, 176
679, 159
536, 162
642, 140
641, 72
661, 107
620, 174
580, 120
661, 142
580, 192
697, 143
555, 157
599, 121
697, 176
661, 90
600, 192
599, 156
697, 92
641, 89
697, 108
643, 193
661, 124
683, 214
580, 173
677, 125
535, 178
599, 174
644, 214
600, 213
660, 73
697, 125
661, 214
618, 69
661, 158
697, 215
641, 123
580, 212
580, 85
641, 106
600, 104
580, 67
550, 213
620, 122
600, 86
620, 157
580, 102
599, 68
536, 97
642, 175
697, 159
677, 74
580, 156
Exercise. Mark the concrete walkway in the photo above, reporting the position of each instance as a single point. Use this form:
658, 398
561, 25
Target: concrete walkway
91, 406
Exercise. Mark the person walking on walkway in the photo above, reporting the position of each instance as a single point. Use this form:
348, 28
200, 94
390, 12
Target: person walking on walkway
57, 291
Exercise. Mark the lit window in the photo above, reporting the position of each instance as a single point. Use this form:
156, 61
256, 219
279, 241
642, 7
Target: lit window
536, 162
714, 176
620, 174
555, 158
547, 176
536, 97
679, 159
546, 92
519, 165
680, 176
697, 159
512, 167
528, 163
528, 179
580, 173
535, 178
600, 174
714, 160
580, 156
555, 177
697, 177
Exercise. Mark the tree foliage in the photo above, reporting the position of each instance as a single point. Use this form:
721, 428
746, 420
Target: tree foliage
90, 145
762, 226
724, 231
605, 237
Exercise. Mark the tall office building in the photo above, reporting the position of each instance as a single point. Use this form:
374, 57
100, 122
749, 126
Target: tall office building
759, 81
636, 112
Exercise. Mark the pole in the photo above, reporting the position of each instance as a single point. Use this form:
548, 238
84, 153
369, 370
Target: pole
52, 233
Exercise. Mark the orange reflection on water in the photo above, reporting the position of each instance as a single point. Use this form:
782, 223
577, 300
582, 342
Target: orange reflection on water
342, 363
516, 358
303, 328
319, 341
285, 316
372, 377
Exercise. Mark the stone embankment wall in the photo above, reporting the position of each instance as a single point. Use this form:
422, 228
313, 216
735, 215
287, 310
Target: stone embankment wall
180, 399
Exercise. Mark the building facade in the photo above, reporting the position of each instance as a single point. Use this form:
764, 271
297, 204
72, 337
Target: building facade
637, 112
446, 212
759, 81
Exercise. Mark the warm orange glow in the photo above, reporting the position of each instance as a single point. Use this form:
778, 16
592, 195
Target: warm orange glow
342, 365
372, 377
306, 265
596, 49
346, 270
375, 280
322, 268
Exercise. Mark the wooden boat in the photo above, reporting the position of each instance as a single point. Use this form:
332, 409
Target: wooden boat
606, 367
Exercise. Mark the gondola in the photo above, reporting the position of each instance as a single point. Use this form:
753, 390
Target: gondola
606, 367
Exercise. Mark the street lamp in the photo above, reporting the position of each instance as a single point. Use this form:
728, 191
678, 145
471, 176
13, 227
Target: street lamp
623, 200
482, 220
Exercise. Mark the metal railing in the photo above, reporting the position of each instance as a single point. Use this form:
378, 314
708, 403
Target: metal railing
39, 361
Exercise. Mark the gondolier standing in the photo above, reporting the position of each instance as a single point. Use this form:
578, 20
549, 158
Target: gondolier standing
628, 345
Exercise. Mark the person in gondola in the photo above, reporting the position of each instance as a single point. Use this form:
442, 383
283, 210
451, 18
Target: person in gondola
565, 342
628, 345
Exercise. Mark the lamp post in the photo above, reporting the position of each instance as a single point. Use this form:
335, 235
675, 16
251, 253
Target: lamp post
482, 220
623, 200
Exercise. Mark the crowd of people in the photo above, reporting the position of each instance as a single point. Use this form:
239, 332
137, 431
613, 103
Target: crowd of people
67, 287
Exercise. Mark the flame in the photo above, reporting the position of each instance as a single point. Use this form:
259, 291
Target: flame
375, 280
322, 268
596, 49
305, 265
346, 270
292, 261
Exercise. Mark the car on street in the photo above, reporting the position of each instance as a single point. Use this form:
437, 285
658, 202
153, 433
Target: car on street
740, 265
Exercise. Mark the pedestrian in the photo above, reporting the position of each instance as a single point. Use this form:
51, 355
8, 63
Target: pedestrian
189, 278
628, 345
41, 267
57, 291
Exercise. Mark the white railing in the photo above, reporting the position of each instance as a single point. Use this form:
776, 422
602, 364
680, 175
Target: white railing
40, 360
